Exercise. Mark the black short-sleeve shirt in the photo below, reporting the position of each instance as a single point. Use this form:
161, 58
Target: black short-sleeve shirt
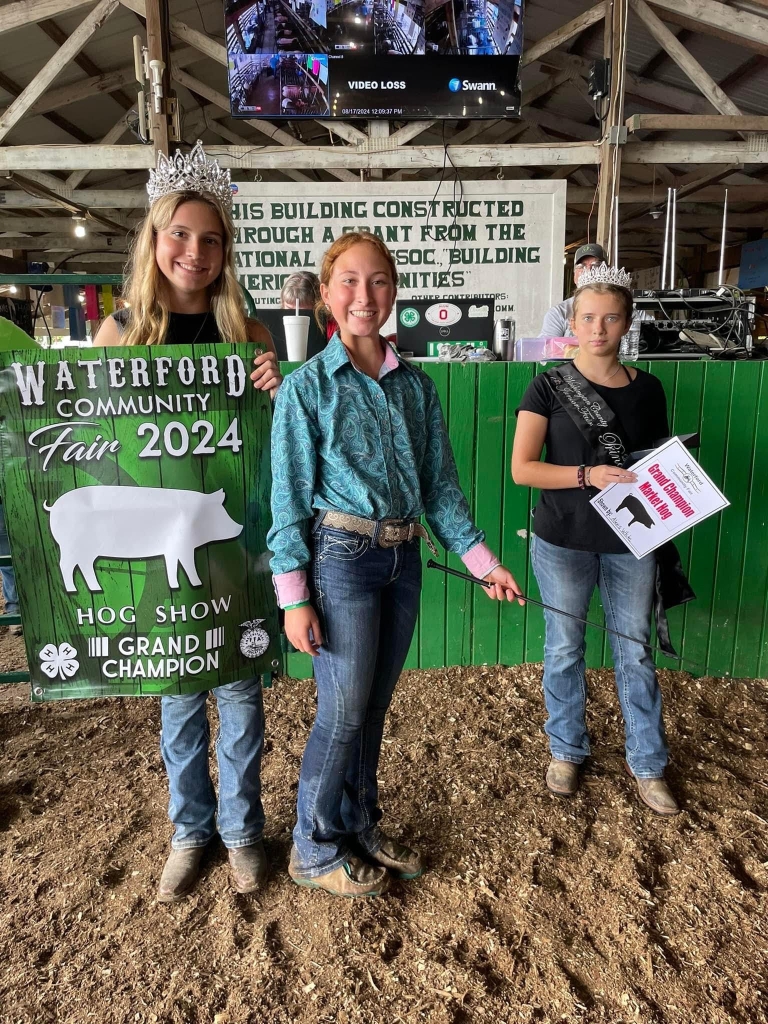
565, 517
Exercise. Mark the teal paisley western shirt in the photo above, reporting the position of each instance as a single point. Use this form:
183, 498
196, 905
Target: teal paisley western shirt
377, 449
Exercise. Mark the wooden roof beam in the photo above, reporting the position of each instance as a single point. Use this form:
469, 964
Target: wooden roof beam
62, 123
54, 99
47, 223
114, 134
59, 36
27, 12
63, 241
649, 69
563, 34
756, 63
133, 201
697, 123
718, 19
226, 133
688, 64
74, 44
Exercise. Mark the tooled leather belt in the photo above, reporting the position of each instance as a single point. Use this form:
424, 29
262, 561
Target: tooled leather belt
391, 532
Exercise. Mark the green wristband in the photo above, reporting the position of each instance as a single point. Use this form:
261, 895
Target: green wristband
299, 604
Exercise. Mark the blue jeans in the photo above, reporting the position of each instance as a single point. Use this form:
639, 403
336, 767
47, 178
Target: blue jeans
367, 599
184, 746
566, 580
9, 577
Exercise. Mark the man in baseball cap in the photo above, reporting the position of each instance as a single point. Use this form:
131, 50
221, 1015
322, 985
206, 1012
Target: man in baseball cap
557, 319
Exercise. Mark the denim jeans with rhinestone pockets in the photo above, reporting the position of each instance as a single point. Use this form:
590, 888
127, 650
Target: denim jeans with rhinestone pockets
367, 599
567, 579
238, 816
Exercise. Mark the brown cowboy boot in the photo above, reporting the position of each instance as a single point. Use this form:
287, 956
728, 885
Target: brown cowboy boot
352, 878
179, 874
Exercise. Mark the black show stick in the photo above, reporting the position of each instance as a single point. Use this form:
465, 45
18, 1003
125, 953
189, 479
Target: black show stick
431, 564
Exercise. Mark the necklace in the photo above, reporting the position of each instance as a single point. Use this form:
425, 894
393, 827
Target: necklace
619, 367
199, 330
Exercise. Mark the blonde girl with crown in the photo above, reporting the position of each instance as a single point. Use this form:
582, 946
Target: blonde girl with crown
573, 550
181, 288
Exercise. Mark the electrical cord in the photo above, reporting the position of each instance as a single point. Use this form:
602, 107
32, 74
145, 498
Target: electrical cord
38, 312
427, 228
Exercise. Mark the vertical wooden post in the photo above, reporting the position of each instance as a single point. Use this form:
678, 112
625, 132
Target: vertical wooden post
377, 130
158, 35
610, 152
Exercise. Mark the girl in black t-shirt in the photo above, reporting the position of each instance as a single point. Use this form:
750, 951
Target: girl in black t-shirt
573, 549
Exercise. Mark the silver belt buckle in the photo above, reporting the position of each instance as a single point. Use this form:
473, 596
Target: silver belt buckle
384, 540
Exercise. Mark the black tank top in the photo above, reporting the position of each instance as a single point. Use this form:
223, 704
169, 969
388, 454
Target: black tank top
183, 328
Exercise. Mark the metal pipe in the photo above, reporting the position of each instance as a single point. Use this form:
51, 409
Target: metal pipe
673, 241
721, 274
666, 240
616, 231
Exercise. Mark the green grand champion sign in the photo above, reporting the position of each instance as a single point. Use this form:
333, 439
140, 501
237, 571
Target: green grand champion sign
136, 489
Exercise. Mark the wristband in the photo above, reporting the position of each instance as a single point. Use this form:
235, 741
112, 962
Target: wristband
588, 476
299, 604
580, 476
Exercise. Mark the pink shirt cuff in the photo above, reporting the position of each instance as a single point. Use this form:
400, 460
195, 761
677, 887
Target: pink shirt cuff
480, 560
291, 587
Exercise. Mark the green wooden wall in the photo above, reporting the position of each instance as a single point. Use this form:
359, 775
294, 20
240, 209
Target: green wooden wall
726, 557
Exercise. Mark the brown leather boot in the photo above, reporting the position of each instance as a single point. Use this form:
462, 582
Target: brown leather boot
353, 878
562, 777
401, 861
656, 794
248, 867
179, 874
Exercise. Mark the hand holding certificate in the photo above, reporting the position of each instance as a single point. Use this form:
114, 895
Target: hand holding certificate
672, 493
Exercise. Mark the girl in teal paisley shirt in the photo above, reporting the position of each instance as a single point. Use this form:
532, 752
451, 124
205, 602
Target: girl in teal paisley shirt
359, 452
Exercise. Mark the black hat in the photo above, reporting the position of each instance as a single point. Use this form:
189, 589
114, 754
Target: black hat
591, 249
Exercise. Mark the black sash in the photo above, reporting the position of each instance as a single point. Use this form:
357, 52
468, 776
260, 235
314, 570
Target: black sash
600, 426
593, 416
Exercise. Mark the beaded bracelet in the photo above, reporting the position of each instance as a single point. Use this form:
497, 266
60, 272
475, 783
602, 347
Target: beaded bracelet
580, 477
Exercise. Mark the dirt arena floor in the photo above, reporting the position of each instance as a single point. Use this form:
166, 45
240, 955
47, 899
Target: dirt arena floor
533, 909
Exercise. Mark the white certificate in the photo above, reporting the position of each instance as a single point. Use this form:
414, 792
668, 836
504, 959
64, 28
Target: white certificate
672, 493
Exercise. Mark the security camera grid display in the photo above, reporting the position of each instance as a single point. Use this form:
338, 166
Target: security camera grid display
374, 58
279, 84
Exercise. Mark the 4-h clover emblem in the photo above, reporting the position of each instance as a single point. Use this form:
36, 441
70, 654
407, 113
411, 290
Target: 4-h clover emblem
59, 661
409, 317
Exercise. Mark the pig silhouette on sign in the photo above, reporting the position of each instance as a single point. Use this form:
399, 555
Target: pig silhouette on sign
640, 513
136, 522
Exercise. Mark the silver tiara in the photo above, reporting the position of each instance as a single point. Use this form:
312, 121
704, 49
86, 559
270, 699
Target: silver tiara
601, 273
193, 173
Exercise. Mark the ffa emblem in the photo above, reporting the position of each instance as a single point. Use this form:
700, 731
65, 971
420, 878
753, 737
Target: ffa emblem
254, 641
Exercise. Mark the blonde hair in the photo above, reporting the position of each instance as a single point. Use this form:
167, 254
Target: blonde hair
338, 248
148, 322
606, 288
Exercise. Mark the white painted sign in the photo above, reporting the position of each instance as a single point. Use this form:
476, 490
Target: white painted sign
672, 493
502, 239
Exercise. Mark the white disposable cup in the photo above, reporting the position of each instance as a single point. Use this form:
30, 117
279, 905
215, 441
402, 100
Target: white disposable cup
296, 335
